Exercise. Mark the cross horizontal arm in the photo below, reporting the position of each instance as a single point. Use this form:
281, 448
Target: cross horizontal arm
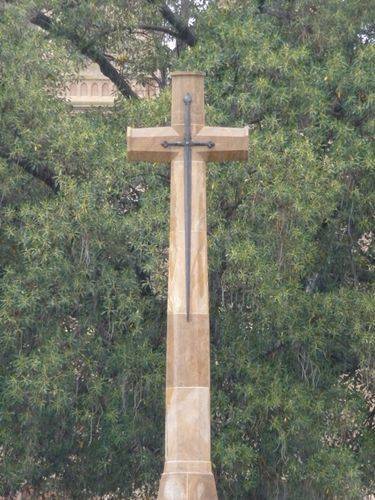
145, 144
231, 144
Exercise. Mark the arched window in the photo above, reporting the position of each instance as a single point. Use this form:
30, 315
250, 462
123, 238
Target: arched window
73, 89
83, 89
105, 89
94, 89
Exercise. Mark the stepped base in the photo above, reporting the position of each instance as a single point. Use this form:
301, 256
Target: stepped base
187, 486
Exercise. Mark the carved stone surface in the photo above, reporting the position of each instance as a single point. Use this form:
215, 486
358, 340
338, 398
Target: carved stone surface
186, 365
187, 469
187, 486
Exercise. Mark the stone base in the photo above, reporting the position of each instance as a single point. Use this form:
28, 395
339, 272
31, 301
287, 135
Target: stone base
187, 486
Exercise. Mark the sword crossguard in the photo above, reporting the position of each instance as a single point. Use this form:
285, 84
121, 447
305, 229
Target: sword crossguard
208, 144
167, 144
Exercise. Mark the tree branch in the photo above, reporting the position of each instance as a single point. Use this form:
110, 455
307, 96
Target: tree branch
161, 29
183, 30
40, 172
106, 67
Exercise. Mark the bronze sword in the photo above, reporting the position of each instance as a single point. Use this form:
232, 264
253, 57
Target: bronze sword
187, 144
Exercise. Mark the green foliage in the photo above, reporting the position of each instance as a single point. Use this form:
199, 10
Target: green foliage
83, 272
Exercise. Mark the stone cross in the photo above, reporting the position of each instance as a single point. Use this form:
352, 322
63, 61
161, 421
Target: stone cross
188, 144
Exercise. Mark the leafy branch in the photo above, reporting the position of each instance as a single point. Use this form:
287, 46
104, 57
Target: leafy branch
86, 48
40, 172
182, 31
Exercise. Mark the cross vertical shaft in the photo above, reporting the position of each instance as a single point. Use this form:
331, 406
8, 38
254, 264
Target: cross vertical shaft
187, 440
187, 469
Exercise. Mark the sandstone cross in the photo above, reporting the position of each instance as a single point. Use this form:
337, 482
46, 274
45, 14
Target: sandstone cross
188, 144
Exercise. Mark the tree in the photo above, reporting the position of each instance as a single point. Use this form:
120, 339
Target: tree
84, 238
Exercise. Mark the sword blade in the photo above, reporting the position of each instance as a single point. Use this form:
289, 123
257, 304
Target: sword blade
187, 203
187, 198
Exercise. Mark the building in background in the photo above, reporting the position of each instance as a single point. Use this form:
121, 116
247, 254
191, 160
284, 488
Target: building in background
94, 89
